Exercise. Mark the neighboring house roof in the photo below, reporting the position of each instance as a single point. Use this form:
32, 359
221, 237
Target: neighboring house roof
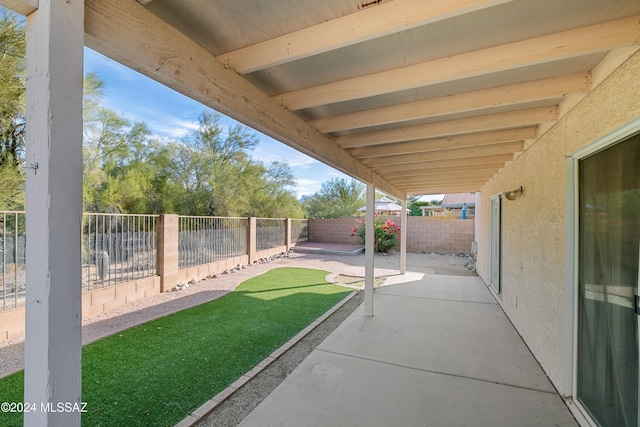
457, 200
384, 204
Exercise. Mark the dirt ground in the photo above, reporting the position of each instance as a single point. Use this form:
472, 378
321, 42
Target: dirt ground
242, 402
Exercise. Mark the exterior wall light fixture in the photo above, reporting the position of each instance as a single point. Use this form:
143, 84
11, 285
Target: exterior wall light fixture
514, 194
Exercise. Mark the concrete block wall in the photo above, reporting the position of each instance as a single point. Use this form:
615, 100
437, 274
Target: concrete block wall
333, 230
424, 234
93, 302
12, 323
432, 234
105, 299
168, 230
199, 272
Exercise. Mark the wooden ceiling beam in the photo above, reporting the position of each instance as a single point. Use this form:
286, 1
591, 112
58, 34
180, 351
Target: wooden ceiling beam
466, 182
456, 141
539, 50
22, 7
366, 24
442, 189
452, 175
458, 185
431, 164
474, 182
456, 153
489, 122
127, 32
546, 89
455, 173
427, 173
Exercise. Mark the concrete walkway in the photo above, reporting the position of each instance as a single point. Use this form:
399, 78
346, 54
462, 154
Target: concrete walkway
439, 352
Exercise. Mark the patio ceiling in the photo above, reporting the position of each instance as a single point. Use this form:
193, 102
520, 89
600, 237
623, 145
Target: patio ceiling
415, 96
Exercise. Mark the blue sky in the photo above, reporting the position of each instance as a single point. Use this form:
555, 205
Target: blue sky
171, 114
174, 115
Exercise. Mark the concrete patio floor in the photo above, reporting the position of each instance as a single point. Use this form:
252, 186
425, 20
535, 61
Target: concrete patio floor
438, 352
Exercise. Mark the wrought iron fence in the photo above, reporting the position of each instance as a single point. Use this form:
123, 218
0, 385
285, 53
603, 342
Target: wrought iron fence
12, 266
202, 240
120, 248
117, 248
270, 233
299, 230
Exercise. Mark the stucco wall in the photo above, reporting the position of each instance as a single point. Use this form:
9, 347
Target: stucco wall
533, 263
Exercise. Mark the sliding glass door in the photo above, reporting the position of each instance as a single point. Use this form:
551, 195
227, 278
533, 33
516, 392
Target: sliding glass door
609, 252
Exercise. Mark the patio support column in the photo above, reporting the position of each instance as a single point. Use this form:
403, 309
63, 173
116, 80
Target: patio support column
403, 236
55, 39
369, 250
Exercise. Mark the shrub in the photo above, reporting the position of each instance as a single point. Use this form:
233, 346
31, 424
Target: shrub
386, 235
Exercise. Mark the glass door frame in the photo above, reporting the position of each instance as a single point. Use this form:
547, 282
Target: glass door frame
570, 385
495, 247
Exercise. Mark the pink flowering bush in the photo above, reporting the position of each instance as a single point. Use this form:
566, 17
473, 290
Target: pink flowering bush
386, 235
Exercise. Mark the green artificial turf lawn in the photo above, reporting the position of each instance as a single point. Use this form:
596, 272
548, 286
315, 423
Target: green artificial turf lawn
157, 373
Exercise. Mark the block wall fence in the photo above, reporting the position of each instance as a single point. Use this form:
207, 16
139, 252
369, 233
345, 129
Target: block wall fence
424, 234
168, 275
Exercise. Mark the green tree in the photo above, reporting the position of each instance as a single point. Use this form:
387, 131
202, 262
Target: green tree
11, 188
127, 169
221, 178
117, 176
12, 105
273, 197
12, 88
337, 198
414, 206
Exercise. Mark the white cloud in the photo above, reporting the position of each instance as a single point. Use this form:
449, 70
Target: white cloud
307, 187
175, 127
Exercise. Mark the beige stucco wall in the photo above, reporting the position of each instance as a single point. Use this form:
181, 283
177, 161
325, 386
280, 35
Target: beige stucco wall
533, 263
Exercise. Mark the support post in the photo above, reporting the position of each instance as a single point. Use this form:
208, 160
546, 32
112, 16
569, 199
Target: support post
369, 250
55, 43
168, 255
404, 220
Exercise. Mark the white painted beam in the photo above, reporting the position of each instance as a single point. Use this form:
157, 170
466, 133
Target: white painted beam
367, 24
456, 141
369, 273
442, 189
468, 182
23, 7
539, 90
461, 162
489, 122
451, 177
445, 187
436, 171
567, 44
54, 210
128, 33
456, 153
